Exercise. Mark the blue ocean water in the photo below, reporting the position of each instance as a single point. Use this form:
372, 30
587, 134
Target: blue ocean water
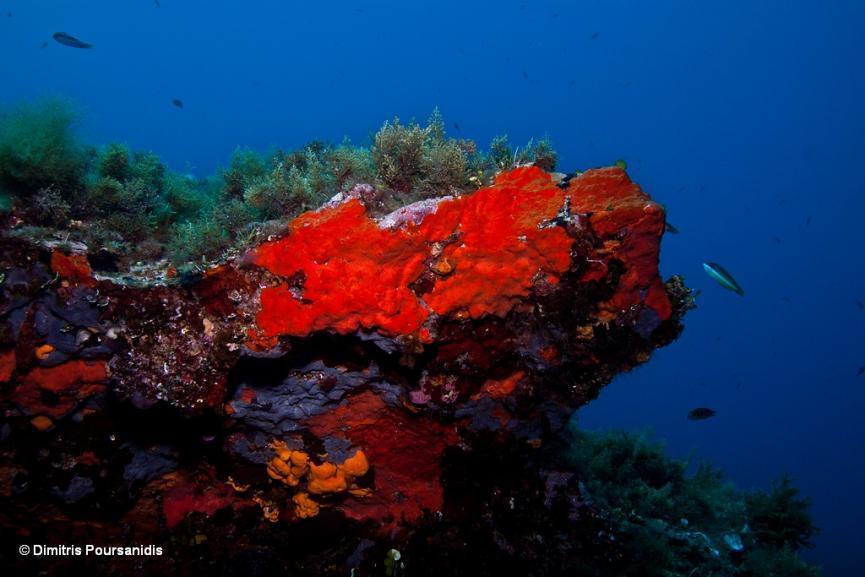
746, 119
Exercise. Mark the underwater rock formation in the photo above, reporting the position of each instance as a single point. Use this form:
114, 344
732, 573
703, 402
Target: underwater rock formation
325, 376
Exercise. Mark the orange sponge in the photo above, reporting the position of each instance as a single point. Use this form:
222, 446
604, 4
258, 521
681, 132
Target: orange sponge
304, 507
356, 465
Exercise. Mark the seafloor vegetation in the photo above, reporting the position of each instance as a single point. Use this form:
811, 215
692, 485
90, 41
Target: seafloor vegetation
129, 205
674, 521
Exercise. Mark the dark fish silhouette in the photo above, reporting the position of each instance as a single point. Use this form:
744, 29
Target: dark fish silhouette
670, 228
700, 414
720, 275
595, 35
808, 220
861, 371
177, 102
860, 304
44, 45
157, 3
457, 126
67, 40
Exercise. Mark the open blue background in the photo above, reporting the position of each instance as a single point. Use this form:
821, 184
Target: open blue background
744, 117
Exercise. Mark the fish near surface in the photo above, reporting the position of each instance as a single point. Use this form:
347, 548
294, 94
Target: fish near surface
701, 414
720, 275
67, 40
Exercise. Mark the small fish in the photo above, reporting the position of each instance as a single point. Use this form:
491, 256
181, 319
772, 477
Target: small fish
595, 35
44, 45
457, 126
720, 275
860, 304
177, 102
700, 414
668, 227
158, 5
525, 75
67, 40
620, 162
861, 371
808, 220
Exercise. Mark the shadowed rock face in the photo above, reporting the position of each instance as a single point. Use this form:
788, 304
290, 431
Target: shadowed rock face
320, 380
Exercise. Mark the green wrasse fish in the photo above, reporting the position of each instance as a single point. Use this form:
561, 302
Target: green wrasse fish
71, 41
720, 275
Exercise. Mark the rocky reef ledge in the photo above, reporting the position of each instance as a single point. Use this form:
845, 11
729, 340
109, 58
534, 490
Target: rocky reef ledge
313, 403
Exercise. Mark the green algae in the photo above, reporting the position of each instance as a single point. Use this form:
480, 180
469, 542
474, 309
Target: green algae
129, 203
38, 148
670, 521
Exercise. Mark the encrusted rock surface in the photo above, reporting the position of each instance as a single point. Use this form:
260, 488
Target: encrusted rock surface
324, 377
